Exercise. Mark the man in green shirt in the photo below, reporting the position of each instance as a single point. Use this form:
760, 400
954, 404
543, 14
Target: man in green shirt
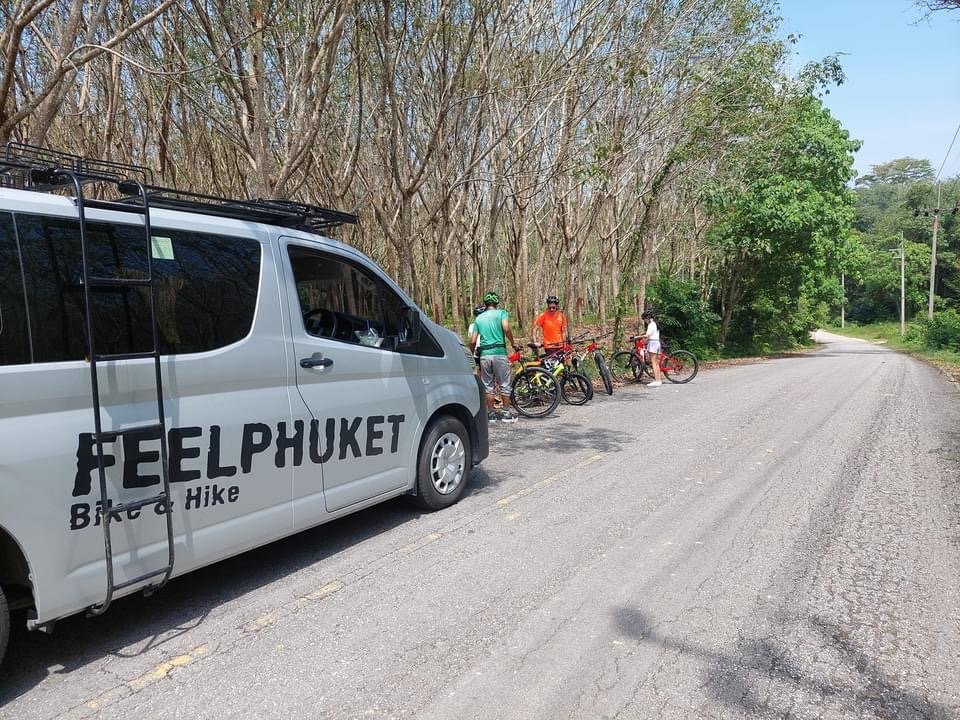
491, 330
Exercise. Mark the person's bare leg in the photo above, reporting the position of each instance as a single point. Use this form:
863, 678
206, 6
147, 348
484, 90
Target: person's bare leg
655, 360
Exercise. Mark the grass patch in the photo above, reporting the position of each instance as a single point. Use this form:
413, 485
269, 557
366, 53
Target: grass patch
888, 333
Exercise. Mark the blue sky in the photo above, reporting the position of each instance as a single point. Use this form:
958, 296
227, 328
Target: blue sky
902, 93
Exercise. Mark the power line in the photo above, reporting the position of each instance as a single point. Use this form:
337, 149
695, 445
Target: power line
949, 150
936, 226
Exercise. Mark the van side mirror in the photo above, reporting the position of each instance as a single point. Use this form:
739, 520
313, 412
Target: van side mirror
410, 327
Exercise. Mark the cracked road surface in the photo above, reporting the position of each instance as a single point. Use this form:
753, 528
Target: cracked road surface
779, 539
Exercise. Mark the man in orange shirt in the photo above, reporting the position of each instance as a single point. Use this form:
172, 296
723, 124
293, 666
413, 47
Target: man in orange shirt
551, 327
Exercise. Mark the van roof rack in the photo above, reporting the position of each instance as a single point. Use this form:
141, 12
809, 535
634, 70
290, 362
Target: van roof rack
29, 167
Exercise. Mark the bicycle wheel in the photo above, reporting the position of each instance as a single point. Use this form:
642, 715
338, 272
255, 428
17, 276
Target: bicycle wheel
679, 367
575, 388
604, 372
589, 385
535, 393
625, 366
648, 369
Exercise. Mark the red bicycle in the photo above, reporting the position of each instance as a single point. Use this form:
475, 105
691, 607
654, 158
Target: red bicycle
593, 350
679, 366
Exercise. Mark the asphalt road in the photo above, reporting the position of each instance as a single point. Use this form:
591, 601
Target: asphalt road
779, 539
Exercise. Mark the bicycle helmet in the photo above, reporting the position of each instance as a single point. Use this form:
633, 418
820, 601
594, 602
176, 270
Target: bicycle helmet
553, 300
491, 298
647, 314
478, 310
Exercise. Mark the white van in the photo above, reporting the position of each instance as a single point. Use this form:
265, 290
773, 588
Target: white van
243, 377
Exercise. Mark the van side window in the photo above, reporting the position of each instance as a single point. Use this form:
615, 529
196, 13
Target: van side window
14, 340
342, 301
206, 288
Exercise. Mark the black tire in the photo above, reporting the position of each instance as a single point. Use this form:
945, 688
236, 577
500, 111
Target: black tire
535, 393
575, 363
4, 625
443, 464
680, 367
604, 372
625, 366
576, 389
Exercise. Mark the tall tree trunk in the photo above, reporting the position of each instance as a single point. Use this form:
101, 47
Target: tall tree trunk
453, 269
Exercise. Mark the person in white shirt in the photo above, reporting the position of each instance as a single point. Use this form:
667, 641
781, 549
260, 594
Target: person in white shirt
652, 335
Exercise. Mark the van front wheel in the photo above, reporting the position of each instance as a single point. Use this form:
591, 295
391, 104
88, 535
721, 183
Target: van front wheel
443, 465
4, 624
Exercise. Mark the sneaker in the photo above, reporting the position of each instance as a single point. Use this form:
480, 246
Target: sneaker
655, 383
507, 417
491, 417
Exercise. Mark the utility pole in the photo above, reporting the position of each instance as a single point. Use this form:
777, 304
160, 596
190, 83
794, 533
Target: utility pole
933, 246
903, 294
843, 298
933, 254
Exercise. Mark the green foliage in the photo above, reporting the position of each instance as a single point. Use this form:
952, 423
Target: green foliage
683, 315
873, 268
898, 172
780, 229
942, 331
915, 333
896, 197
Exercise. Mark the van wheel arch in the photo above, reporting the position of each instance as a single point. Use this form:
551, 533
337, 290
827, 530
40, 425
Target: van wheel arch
15, 572
457, 412
16, 590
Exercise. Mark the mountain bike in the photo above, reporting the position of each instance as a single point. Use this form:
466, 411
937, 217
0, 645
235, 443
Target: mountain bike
678, 366
593, 349
575, 387
534, 391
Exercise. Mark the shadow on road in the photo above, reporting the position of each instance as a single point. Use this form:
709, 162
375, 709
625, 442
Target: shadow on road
853, 352
763, 677
559, 436
136, 624
482, 482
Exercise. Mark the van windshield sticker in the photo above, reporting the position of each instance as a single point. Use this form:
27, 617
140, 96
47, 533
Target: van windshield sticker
161, 248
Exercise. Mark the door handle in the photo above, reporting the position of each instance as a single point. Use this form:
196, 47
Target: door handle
316, 360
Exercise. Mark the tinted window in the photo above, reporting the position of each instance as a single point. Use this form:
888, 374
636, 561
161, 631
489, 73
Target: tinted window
345, 302
206, 288
342, 302
14, 341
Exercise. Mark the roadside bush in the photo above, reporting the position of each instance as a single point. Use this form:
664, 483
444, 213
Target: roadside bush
943, 331
916, 332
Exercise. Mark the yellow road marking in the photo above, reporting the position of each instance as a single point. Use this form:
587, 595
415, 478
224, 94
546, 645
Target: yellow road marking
327, 589
260, 623
161, 671
547, 480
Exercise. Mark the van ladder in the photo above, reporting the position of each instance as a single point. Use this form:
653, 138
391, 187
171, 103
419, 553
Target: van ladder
91, 285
